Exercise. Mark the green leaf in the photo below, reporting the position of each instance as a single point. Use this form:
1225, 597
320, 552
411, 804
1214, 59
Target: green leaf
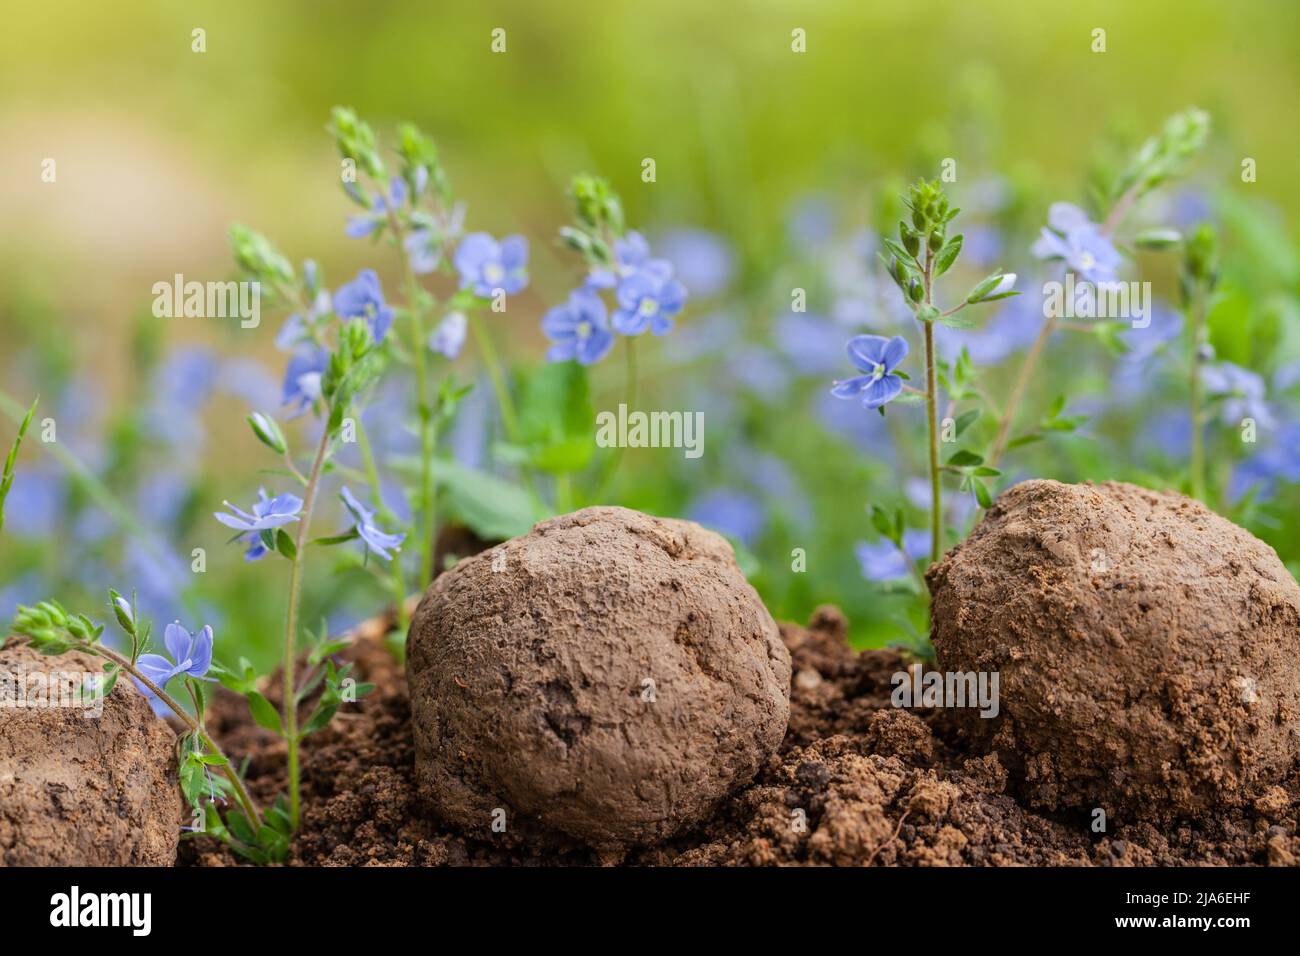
965, 458
947, 255
965, 420
284, 544
982, 494
493, 508
557, 422
264, 713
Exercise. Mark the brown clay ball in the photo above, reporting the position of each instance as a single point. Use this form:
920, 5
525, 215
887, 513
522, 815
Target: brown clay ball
78, 789
1148, 649
608, 676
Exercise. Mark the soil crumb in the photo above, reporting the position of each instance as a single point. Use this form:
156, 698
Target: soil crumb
856, 782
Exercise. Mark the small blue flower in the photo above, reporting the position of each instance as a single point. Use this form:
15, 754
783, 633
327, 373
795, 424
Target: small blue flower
362, 298
449, 337
376, 540
191, 655
425, 245
631, 252
268, 513
1072, 236
359, 227
579, 329
648, 299
878, 357
882, 561
486, 265
297, 328
734, 513
302, 379
1242, 391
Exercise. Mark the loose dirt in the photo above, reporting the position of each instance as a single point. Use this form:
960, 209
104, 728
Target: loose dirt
855, 782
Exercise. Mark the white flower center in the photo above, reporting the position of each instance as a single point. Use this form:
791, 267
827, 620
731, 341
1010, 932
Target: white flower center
584, 330
1087, 260
648, 307
493, 272
878, 372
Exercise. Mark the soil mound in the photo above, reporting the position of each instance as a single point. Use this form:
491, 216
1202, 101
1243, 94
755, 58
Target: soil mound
877, 786
79, 788
608, 676
1148, 650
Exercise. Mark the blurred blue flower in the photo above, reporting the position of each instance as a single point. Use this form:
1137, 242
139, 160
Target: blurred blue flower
1278, 461
810, 341
812, 222
375, 539
733, 513
883, 561
360, 226
878, 357
1070, 235
302, 379
425, 245
36, 501
362, 298
1170, 432
449, 337
982, 245
486, 265
191, 655
759, 370
648, 299
702, 260
1242, 392
631, 252
579, 329
297, 328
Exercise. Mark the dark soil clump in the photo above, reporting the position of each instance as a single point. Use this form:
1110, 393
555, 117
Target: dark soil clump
855, 782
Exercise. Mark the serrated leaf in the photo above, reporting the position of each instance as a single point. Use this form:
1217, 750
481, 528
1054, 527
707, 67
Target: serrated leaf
947, 255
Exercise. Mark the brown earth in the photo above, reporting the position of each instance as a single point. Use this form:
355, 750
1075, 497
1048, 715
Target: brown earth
79, 789
874, 785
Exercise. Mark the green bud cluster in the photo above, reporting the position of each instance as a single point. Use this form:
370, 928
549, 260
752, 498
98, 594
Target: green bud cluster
356, 141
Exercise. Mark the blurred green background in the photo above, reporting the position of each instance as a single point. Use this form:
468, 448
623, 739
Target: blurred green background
160, 149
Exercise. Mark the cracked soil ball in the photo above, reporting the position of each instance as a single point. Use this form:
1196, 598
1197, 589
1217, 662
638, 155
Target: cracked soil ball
78, 789
609, 676
1148, 649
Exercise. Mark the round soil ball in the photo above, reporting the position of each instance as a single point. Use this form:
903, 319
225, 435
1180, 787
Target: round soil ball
76, 788
609, 676
1148, 650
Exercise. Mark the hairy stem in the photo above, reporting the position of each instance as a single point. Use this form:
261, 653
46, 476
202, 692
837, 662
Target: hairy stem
931, 403
290, 707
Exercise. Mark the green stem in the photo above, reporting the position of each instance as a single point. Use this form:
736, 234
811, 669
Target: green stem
1196, 317
611, 466
489, 353
290, 658
931, 413
397, 581
227, 768
425, 526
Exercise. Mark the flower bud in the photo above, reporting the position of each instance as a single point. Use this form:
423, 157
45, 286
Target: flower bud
267, 432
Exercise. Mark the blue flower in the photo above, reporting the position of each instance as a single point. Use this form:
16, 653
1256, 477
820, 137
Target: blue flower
302, 379
882, 561
268, 513
648, 299
191, 655
1070, 235
297, 328
486, 265
376, 540
362, 298
631, 252
359, 227
424, 246
449, 337
1242, 391
579, 329
878, 357
733, 513
704, 262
